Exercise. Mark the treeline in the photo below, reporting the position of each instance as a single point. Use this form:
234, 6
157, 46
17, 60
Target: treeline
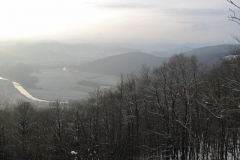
179, 111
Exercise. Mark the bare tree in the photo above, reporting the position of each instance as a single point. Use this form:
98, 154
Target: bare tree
23, 121
58, 125
233, 17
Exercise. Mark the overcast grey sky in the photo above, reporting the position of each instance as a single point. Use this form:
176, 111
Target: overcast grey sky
169, 21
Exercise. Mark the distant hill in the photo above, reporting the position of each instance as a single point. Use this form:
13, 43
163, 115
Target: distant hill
161, 54
123, 63
212, 54
54, 52
179, 50
207, 55
171, 52
166, 47
133, 61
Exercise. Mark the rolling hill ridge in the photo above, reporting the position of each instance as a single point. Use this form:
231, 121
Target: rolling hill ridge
123, 63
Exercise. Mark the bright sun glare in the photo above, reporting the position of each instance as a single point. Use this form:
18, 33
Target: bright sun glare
29, 18
113, 20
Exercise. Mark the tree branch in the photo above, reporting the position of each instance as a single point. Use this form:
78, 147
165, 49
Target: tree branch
230, 1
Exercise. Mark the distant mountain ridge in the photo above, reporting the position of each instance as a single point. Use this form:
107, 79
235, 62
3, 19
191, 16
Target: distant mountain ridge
54, 53
123, 63
171, 52
133, 61
64, 54
212, 54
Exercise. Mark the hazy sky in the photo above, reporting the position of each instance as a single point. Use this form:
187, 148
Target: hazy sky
151, 21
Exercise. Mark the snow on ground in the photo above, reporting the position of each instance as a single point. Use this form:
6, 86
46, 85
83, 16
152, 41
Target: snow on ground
61, 84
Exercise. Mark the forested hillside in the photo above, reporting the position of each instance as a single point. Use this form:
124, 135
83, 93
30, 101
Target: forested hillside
212, 54
121, 64
175, 111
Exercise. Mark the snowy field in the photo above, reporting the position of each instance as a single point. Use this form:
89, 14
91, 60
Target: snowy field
61, 84
57, 84
9, 94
